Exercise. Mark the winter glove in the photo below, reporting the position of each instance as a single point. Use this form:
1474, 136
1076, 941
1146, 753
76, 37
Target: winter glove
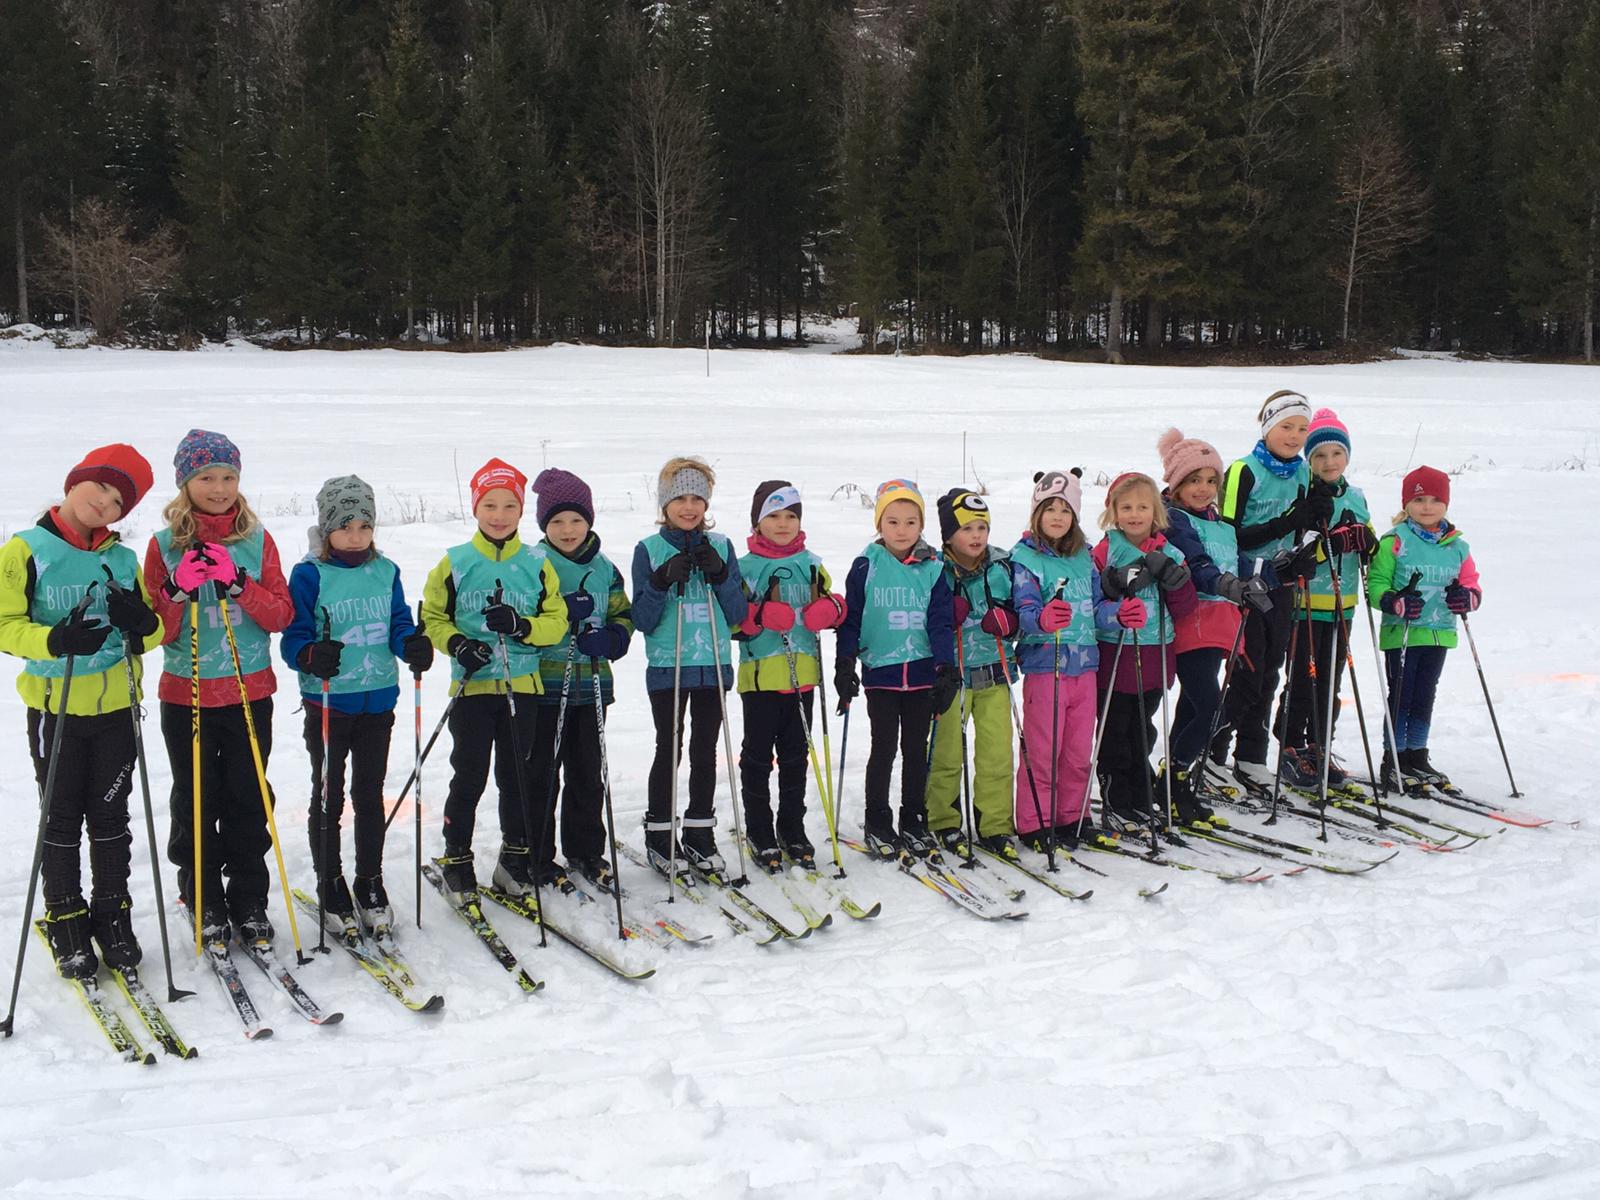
472, 654
417, 650
1290, 565
78, 635
1462, 600
501, 618
1171, 575
1406, 604
674, 572
1131, 613
580, 607
960, 610
773, 615
1117, 582
320, 658
1352, 539
603, 641
1257, 594
946, 683
1230, 587
1001, 621
709, 563
127, 611
825, 612
1312, 509
1055, 616
223, 570
845, 684
189, 576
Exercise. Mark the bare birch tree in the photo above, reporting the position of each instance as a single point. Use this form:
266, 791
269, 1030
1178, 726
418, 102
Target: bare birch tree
113, 268
1382, 206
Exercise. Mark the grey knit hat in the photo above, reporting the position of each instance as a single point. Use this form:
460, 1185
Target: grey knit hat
343, 499
685, 481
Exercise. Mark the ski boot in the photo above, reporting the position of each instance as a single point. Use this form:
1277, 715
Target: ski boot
1423, 771
1039, 841
699, 846
67, 928
1001, 846
916, 841
455, 869
1254, 777
953, 842
768, 858
372, 908
1068, 836
1300, 769
659, 849
801, 852
553, 877
1388, 777
338, 909
881, 840
1337, 775
252, 924
597, 871
513, 871
1187, 807
111, 918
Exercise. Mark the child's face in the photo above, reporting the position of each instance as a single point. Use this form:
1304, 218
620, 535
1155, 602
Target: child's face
780, 528
353, 537
92, 505
1328, 462
1135, 514
499, 513
901, 526
215, 490
686, 512
1055, 522
1286, 437
970, 541
566, 531
1427, 511
1198, 489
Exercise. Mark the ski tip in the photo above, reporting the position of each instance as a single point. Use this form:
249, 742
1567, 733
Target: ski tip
1084, 895
190, 1052
432, 1004
260, 1034
333, 1018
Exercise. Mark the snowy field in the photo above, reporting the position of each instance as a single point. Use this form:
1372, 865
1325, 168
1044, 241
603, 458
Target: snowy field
1429, 1030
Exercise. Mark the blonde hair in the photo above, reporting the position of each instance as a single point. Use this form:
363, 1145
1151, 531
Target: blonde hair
1404, 514
1064, 547
1124, 485
179, 516
681, 462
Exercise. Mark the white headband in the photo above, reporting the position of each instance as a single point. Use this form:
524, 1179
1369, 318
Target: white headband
1290, 404
780, 499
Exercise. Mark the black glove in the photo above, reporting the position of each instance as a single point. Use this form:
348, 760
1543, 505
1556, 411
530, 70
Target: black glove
1462, 600
417, 650
127, 611
1117, 582
78, 635
603, 641
320, 658
1171, 574
709, 562
1354, 538
500, 617
675, 571
1257, 594
1290, 564
1230, 587
1312, 509
580, 607
472, 654
846, 685
946, 683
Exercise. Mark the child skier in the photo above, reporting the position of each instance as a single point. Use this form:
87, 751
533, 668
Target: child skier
600, 623
899, 621
1224, 581
677, 573
1422, 579
1302, 713
1143, 578
45, 572
1271, 501
979, 579
490, 604
214, 547
783, 580
351, 622
1057, 592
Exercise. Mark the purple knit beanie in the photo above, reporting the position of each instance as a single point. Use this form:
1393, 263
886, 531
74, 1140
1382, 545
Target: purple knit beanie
200, 449
561, 491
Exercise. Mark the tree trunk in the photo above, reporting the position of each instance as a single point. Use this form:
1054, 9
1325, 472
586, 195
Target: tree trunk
1114, 326
475, 323
1155, 327
22, 266
1350, 271
1588, 282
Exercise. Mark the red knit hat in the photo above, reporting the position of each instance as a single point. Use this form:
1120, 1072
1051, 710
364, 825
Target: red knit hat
496, 473
119, 466
1426, 481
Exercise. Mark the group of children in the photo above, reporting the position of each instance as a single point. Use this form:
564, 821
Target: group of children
1197, 582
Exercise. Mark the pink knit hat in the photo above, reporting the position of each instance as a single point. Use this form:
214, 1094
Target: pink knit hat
1326, 427
1181, 456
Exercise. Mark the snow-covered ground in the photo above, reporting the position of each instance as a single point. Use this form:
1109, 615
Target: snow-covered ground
1429, 1030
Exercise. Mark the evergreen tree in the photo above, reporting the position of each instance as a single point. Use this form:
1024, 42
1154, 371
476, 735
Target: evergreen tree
478, 259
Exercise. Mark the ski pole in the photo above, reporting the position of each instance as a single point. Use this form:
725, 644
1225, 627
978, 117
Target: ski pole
261, 773
712, 604
516, 753
1055, 738
1166, 727
1027, 766
1350, 665
1099, 732
1143, 757
45, 796
129, 656
966, 778
1333, 687
1315, 726
677, 746
605, 791
416, 770
1402, 688
830, 809
195, 774
1380, 788
789, 653
326, 855
1493, 720
545, 836
1227, 675
1283, 712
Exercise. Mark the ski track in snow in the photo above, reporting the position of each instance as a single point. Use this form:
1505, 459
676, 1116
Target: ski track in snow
1425, 1032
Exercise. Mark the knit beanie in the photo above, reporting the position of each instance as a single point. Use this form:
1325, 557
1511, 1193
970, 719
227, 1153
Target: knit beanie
117, 465
1058, 485
1282, 405
775, 495
497, 473
201, 449
684, 477
561, 491
957, 508
1181, 456
1426, 481
1326, 428
343, 499
891, 490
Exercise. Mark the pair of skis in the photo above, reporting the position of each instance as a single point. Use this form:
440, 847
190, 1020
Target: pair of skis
379, 958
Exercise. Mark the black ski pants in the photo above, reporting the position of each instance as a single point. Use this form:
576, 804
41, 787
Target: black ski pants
480, 730
362, 739
93, 778
900, 724
774, 728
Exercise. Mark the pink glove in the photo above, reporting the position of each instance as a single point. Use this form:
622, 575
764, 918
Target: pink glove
776, 616
825, 612
1000, 621
963, 610
222, 569
1055, 616
192, 571
1131, 614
